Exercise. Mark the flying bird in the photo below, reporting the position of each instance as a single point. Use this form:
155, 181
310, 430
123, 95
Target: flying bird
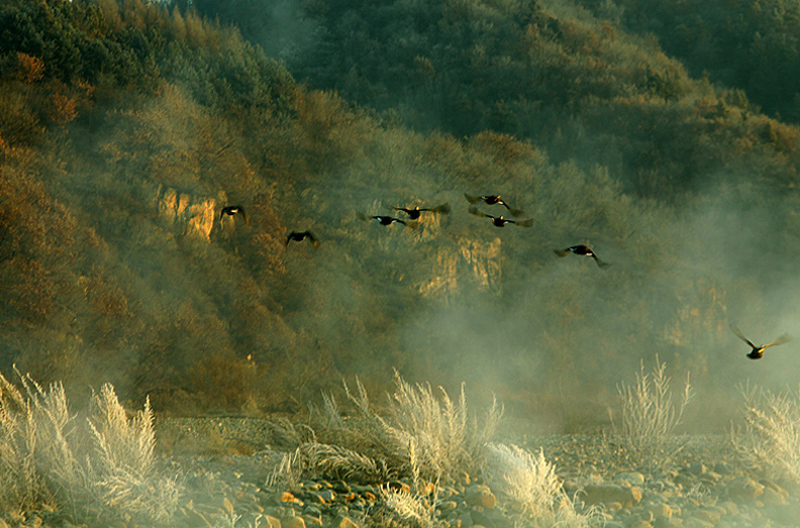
299, 236
388, 220
499, 221
583, 250
415, 212
493, 199
758, 351
233, 210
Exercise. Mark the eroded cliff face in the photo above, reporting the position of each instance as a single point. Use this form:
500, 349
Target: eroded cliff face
197, 215
474, 263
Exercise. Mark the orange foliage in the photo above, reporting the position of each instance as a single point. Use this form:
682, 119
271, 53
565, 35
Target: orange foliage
30, 69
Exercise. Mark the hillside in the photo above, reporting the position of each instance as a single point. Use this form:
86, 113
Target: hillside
127, 127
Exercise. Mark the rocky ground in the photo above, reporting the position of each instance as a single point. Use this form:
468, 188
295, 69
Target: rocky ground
706, 485
226, 465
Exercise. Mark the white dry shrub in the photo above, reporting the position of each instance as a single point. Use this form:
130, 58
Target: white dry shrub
126, 477
650, 415
446, 438
771, 436
48, 456
411, 509
531, 487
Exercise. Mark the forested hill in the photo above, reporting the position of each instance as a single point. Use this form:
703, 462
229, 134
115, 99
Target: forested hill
127, 126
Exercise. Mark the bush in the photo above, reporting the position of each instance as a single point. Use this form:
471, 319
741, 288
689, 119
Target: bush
103, 464
650, 416
771, 436
532, 487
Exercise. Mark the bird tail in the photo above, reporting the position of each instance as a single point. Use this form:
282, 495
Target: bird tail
561, 252
515, 212
472, 199
525, 223
361, 216
246, 218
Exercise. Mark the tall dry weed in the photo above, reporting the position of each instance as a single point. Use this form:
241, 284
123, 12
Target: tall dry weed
104, 463
770, 438
650, 416
532, 488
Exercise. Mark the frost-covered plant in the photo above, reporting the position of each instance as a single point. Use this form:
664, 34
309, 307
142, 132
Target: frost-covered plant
650, 415
124, 465
530, 485
771, 436
446, 438
103, 464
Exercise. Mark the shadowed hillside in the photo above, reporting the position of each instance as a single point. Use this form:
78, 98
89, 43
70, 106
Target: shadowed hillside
127, 127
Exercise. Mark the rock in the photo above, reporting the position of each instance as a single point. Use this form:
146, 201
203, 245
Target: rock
697, 468
274, 522
292, 521
343, 522
730, 508
327, 496
641, 524
694, 522
604, 494
633, 479
708, 515
660, 510
770, 498
744, 488
478, 495
448, 506
723, 468
668, 522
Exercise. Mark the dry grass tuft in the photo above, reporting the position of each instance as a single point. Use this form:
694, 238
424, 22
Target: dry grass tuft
103, 464
771, 436
532, 488
650, 416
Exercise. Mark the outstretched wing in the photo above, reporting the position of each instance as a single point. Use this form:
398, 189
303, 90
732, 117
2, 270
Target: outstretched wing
443, 209
781, 340
741, 336
603, 264
512, 210
474, 211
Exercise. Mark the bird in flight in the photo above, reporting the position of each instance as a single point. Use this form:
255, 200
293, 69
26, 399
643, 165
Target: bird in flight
299, 236
233, 210
414, 212
757, 352
388, 220
499, 221
583, 250
493, 199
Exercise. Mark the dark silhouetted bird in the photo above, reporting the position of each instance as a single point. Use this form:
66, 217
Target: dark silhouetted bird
415, 212
299, 236
493, 199
758, 351
388, 220
233, 210
499, 221
583, 250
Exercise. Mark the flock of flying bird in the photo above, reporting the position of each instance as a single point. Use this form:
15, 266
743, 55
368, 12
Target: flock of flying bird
413, 214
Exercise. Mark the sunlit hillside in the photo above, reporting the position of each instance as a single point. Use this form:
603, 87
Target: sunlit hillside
128, 126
